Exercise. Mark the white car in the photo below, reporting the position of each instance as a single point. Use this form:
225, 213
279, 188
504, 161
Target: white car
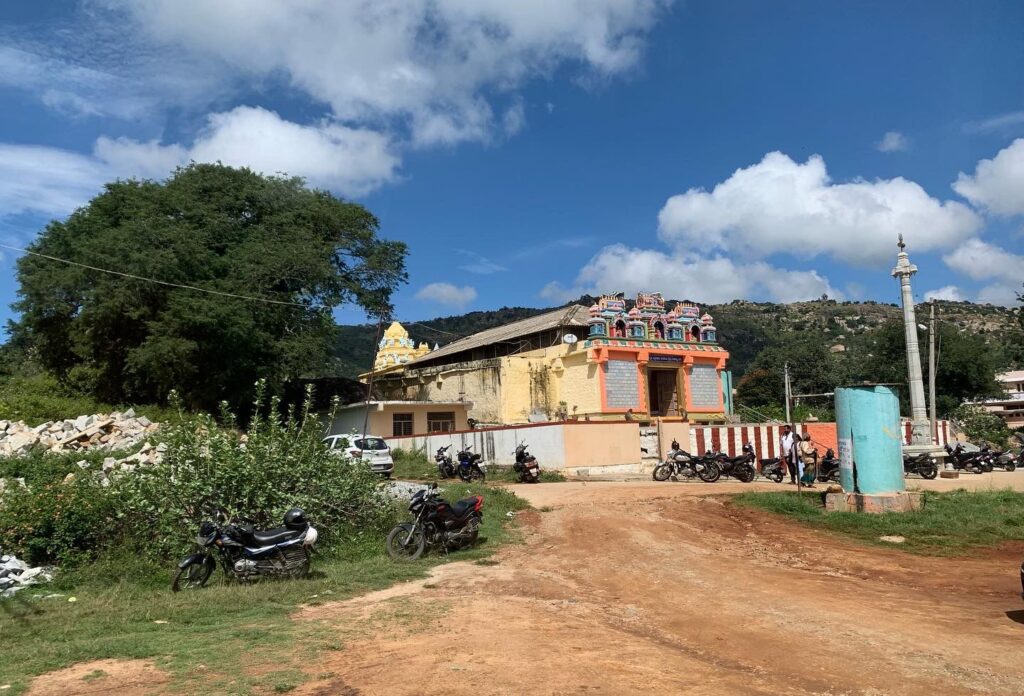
369, 448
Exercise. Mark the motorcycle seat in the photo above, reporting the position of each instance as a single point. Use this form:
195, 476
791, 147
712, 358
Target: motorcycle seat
276, 536
465, 506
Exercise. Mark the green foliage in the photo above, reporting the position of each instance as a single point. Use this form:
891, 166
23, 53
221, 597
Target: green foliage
949, 524
39, 397
413, 465
218, 228
980, 425
813, 369
278, 464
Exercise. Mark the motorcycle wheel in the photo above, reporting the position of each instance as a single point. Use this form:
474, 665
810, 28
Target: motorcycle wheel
399, 549
193, 576
661, 472
746, 474
1010, 466
477, 474
776, 476
928, 471
709, 472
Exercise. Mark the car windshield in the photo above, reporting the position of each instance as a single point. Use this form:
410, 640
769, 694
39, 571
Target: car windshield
372, 444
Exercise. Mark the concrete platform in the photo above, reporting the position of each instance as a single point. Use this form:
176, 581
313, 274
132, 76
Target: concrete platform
905, 501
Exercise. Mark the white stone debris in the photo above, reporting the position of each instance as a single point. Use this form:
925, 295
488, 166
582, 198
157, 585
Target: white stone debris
16, 575
106, 431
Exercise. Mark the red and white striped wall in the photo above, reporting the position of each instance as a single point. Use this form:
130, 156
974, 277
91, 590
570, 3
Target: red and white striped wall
765, 437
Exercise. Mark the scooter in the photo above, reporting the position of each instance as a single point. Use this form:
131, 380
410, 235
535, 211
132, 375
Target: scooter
773, 469
526, 465
471, 466
828, 469
966, 461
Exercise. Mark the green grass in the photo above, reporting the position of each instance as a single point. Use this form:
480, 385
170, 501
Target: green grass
224, 626
950, 524
39, 398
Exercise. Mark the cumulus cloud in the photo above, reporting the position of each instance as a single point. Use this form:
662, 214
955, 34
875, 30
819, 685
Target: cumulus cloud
447, 294
893, 141
53, 181
712, 279
983, 261
430, 63
950, 293
779, 205
998, 183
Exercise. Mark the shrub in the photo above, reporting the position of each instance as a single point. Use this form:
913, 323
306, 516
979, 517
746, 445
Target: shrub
277, 464
980, 424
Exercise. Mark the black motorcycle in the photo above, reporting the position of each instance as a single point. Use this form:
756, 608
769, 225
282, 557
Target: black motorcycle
828, 469
773, 469
922, 464
247, 554
445, 466
436, 523
966, 461
1007, 461
740, 467
471, 466
526, 465
681, 463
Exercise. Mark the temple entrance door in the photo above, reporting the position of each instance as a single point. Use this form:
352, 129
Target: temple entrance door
662, 393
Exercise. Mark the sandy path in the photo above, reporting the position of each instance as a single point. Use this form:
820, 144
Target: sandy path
624, 588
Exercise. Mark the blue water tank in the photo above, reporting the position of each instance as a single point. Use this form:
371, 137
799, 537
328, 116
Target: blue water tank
870, 439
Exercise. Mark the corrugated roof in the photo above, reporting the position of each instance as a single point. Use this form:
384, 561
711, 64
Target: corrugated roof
574, 316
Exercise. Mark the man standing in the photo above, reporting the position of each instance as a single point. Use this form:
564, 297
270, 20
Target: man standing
788, 449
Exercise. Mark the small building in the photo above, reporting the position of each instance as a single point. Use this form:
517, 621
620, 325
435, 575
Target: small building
401, 418
585, 363
1011, 407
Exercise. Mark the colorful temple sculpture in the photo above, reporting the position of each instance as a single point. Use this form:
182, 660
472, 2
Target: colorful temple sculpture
649, 321
396, 348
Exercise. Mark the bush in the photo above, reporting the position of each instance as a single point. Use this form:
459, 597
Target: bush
982, 425
58, 522
278, 463
38, 398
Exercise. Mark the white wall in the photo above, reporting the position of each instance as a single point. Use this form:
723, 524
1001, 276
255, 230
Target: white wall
498, 445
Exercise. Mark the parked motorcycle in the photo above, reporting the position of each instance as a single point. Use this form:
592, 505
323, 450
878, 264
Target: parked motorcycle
445, 465
526, 465
773, 469
248, 554
436, 523
828, 468
1007, 461
966, 461
740, 467
922, 464
682, 463
471, 466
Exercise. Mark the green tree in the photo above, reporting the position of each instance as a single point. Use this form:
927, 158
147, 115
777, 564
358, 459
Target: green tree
218, 228
981, 425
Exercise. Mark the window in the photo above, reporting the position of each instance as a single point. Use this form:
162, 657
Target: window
440, 421
371, 444
401, 424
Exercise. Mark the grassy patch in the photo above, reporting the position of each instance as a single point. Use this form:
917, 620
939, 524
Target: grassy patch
950, 524
508, 475
413, 465
39, 398
224, 626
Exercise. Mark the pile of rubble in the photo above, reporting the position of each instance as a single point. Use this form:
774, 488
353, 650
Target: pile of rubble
148, 454
16, 575
113, 431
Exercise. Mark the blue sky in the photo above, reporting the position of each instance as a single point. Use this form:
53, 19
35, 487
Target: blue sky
528, 152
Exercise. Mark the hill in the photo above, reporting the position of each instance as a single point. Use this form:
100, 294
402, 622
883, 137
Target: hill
744, 328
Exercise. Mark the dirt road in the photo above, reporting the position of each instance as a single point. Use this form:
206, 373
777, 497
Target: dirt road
626, 588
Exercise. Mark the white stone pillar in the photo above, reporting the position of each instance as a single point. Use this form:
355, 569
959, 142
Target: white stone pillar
918, 410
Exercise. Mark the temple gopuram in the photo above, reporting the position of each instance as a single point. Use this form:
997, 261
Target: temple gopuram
396, 348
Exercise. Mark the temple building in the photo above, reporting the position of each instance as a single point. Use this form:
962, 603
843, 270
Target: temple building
396, 348
576, 363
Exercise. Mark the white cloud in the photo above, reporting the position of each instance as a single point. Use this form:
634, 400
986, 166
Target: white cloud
447, 294
779, 205
682, 276
996, 123
950, 293
46, 180
997, 184
980, 260
429, 63
893, 141
479, 264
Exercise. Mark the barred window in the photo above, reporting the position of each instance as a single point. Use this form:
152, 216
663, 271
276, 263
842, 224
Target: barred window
440, 421
401, 424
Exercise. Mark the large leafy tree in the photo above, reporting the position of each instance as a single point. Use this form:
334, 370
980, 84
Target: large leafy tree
302, 252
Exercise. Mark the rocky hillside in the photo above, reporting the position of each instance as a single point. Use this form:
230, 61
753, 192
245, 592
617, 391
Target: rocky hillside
745, 328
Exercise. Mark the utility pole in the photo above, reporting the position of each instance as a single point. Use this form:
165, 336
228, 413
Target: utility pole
931, 373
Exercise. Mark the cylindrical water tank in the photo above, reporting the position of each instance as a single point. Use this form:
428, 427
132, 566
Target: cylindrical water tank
870, 439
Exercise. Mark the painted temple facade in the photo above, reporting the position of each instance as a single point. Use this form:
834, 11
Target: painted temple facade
605, 362
396, 348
